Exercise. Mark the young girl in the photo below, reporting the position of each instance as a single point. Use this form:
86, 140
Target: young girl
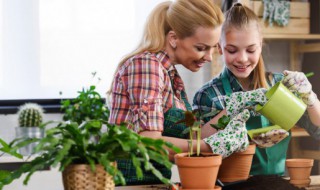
147, 91
241, 47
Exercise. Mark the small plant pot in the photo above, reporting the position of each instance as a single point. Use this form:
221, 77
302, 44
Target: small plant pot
299, 171
237, 166
283, 108
29, 132
198, 172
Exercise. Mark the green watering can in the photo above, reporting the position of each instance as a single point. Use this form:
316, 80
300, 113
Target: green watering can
283, 109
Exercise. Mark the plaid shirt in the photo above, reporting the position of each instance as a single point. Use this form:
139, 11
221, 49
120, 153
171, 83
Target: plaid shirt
210, 98
142, 91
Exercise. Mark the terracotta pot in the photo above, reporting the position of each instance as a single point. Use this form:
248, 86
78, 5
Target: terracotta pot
198, 172
299, 170
237, 166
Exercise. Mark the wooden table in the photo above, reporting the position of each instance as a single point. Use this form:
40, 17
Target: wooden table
315, 185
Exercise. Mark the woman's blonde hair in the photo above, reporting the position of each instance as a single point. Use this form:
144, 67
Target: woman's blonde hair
239, 17
181, 16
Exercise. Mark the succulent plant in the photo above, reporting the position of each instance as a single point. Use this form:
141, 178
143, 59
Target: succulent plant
30, 115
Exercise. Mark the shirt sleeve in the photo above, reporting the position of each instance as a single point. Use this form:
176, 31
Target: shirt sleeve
306, 123
204, 103
144, 83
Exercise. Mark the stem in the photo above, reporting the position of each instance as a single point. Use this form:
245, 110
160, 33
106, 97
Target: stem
190, 143
198, 140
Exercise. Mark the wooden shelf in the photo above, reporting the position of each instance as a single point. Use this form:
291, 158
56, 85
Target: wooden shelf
299, 132
291, 36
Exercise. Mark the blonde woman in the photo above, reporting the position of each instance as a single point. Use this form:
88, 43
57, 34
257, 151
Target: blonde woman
148, 92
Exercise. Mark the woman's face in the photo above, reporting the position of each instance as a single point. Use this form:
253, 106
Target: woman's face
241, 49
194, 51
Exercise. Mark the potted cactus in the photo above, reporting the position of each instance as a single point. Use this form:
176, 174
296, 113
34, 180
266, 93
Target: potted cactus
30, 117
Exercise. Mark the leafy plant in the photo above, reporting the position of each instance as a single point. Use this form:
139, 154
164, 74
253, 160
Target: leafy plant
30, 115
193, 120
87, 106
194, 129
222, 123
85, 137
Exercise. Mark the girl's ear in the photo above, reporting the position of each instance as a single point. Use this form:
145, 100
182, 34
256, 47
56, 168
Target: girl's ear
172, 37
219, 49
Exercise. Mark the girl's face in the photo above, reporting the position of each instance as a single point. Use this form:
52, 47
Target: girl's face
241, 49
194, 51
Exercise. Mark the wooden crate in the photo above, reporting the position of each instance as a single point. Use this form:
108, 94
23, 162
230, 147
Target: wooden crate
299, 22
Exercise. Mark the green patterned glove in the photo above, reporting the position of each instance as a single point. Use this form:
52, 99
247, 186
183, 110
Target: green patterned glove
297, 82
238, 101
233, 138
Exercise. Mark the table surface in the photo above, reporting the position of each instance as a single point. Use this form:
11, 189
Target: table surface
315, 185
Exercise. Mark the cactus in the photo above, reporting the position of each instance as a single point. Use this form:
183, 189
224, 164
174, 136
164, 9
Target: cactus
30, 115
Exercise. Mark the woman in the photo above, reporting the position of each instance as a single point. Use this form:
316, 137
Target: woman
241, 47
147, 91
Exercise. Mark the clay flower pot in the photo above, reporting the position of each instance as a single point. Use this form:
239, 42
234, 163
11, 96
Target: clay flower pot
198, 172
237, 166
299, 171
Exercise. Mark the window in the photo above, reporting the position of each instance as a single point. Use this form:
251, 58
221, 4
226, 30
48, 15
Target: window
53, 46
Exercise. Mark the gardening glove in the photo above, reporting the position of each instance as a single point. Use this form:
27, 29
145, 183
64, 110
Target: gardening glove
238, 101
277, 11
233, 138
298, 83
270, 138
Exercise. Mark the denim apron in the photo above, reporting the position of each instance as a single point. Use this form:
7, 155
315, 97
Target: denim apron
266, 161
171, 129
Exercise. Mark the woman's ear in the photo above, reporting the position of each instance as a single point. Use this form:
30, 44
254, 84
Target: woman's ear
219, 49
172, 37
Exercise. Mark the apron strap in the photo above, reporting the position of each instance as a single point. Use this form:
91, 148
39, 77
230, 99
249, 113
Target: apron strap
226, 83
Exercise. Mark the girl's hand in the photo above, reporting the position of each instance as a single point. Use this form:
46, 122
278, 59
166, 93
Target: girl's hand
297, 82
238, 101
233, 138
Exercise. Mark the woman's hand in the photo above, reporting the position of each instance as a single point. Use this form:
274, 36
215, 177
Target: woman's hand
233, 138
297, 82
238, 101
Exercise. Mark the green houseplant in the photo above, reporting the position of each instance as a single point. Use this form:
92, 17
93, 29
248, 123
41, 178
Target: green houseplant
30, 117
85, 137
196, 170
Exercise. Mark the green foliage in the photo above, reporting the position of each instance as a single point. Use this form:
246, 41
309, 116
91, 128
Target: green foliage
193, 121
222, 123
85, 137
71, 143
87, 106
30, 115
